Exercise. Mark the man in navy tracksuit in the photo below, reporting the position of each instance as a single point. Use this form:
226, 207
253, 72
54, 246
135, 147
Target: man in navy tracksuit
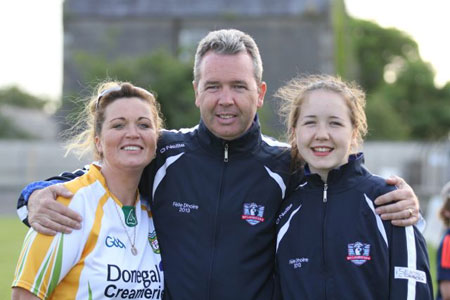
332, 245
214, 190
219, 199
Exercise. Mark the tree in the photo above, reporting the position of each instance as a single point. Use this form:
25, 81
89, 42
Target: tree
402, 100
375, 48
14, 96
169, 78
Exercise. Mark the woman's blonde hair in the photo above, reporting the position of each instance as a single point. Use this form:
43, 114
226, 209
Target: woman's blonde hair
294, 93
89, 124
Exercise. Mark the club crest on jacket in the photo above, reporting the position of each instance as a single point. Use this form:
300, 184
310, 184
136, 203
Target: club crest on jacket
358, 253
253, 213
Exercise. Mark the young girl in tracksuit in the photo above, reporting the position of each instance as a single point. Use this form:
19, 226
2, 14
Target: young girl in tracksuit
331, 244
443, 253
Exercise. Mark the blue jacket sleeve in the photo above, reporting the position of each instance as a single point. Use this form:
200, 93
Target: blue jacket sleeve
410, 276
22, 202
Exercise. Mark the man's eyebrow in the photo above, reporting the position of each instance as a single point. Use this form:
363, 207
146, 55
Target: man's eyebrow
239, 81
212, 82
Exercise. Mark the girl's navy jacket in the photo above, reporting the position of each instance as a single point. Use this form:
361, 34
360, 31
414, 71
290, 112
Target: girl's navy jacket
332, 245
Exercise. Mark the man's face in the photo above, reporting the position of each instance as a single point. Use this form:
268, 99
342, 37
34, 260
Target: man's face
227, 94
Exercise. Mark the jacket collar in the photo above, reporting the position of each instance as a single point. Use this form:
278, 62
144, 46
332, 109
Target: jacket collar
245, 143
343, 175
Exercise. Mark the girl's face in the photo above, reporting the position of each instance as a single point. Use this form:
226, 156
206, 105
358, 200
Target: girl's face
324, 132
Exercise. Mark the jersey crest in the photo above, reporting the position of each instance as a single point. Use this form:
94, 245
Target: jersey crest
358, 253
153, 242
253, 213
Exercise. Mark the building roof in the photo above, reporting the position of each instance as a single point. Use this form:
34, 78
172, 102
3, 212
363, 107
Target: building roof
191, 8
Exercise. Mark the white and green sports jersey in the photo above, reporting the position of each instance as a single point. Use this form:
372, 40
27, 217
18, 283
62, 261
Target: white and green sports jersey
94, 262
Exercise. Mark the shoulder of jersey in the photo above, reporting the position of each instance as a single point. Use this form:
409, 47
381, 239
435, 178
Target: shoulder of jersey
174, 136
275, 148
375, 185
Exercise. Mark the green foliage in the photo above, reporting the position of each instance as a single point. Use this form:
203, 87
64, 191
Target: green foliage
384, 122
375, 47
342, 42
169, 78
409, 106
16, 97
13, 96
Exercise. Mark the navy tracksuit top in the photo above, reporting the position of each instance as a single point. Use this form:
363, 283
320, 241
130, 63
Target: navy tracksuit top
332, 245
214, 204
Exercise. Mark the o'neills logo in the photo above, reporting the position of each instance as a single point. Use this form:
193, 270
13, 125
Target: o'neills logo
253, 213
173, 146
133, 284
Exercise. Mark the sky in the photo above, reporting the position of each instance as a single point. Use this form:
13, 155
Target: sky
31, 53
427, 22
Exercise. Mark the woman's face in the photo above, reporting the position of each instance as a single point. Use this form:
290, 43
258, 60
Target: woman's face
324, 131
128, 136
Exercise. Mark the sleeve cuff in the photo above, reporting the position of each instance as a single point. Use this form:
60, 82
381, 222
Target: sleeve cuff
421, 224
38, 185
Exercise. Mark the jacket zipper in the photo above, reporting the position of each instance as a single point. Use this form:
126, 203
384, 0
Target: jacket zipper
324, 201
213, 254
325, 188
225, 153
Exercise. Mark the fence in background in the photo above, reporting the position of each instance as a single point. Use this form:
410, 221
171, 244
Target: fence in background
22, 162
425, 166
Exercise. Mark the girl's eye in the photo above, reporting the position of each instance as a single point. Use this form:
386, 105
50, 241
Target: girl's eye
144, 126
336, 124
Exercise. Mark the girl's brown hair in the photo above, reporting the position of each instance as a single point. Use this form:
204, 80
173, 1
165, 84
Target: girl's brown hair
294, 93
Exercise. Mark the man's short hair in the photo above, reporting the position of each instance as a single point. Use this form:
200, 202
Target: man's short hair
229, 42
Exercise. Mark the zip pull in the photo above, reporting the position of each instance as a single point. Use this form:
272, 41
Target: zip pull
325, 188
225, 154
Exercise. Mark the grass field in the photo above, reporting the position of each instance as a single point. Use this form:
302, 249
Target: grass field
11, 238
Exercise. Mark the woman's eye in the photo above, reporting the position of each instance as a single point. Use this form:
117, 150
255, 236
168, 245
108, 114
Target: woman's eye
118, 126
309, 123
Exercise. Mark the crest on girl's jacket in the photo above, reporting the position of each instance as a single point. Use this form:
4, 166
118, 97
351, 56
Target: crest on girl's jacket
253, 213
358, 253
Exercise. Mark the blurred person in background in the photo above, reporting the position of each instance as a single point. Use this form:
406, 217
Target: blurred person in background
443, 253
117, 237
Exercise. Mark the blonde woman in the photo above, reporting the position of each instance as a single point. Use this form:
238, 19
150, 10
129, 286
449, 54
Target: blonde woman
115, 254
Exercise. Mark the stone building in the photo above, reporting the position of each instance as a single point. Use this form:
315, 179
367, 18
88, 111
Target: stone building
294, 36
